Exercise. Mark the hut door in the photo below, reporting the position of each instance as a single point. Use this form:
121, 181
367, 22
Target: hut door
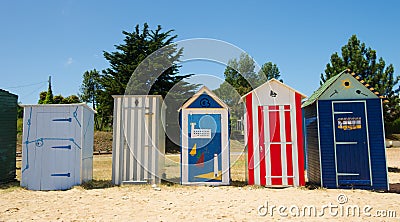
55, 150
276, 147
205, 143
351, 143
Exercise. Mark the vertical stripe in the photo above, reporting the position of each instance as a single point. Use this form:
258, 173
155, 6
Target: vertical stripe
155, 148
249, 111
275, 150
289, 157
262, 145
267, 146
300, 149
283, 145
131, 140
256, 141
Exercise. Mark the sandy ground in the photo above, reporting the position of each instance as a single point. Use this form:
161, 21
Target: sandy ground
179, 203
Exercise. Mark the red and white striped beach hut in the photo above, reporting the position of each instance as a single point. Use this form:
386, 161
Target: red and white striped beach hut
274, 135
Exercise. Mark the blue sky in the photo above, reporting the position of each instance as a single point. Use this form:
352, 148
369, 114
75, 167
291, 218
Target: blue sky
65, 38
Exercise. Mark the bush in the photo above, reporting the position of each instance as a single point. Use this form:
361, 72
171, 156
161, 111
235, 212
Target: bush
393, 127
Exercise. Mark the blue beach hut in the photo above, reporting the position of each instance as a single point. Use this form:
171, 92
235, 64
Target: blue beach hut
204, 121
345, 135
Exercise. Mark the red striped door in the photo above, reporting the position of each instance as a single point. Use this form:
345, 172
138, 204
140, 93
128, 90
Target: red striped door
276, 148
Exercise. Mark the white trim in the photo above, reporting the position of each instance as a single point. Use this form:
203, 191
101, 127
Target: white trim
225, 179
281, 177
351, 143
268, 83
342, 112
295, 146
200, 92
345, 143
267, 145
256, 141
348, 174
334, 142
184, 152
319, 145
282, 128
280, 143
348, 101
369, 153
384, 146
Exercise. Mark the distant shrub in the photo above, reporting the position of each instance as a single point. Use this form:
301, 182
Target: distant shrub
393, 127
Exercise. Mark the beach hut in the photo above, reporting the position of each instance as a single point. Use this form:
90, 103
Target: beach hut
8, 135
138, 139
204, 119
274, 135
345, 135
57, 146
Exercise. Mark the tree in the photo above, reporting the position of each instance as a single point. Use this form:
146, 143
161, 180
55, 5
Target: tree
242, 76
49, 94
270, 71
363, 61
58, 99
71, 99
227, 93
127, 59
90, 86
42, 97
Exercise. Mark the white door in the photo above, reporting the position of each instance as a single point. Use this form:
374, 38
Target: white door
57, 153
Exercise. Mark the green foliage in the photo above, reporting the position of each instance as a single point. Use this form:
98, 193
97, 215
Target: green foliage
20, 111
231, 97
49, 95
71, 99
241, 78
42, 97
393, 127
20, 125
59, 99
90, 87
176, 97
126, 67
270, 71
363, 61
241, 75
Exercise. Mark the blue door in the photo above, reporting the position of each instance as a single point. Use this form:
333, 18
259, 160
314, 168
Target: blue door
204, 159
351, 144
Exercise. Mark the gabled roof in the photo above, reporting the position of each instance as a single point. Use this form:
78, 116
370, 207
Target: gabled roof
207, 91
321, 90
324, 87
6, 93
273, 80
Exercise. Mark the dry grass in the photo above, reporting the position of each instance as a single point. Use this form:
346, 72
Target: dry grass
102, 165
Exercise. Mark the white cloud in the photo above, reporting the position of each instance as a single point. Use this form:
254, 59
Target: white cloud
69, 61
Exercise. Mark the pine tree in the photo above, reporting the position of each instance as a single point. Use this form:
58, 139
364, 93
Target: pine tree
363, 61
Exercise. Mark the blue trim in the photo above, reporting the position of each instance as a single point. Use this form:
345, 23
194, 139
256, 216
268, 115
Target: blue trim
60, 174
204, 101
63, 120
62, 147
26, 141
75, 114
40, 141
